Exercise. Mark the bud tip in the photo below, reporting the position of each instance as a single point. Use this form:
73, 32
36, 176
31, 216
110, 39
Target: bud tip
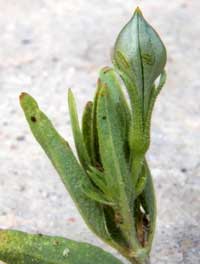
138, 11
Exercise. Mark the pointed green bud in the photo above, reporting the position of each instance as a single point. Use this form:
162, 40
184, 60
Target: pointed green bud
140, 55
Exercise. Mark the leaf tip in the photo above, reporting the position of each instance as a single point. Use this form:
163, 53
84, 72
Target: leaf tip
29, 106
70, 94
138, 11
22, 95
89, 104
105, 69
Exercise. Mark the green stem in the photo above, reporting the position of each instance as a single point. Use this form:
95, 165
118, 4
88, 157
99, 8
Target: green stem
136, 167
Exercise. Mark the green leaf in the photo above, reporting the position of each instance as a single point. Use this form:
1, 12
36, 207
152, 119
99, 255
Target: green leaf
96, 195
141, 181
78, 137
99, 191
87, 127
94, 137
111, 141
155, 92
109, 78
64, 161
141, 55
113, 160
98, 178
20, 248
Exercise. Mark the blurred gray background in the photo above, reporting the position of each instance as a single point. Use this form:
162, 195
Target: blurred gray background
47, 46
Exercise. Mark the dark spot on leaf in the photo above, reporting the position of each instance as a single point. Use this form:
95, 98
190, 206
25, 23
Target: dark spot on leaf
89, 105
33, 119
118, 218
104, 117
103, 91
148, 58
55, 242
99, 166
22, 95
106, 69
98, 82
122, 60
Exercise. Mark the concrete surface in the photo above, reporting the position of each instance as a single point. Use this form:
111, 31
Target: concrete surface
47, 46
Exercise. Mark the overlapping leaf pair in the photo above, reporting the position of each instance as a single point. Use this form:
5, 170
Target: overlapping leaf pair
111, 184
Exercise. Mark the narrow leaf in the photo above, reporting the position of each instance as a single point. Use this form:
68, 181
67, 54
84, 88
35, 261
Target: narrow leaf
20, 248
78, 137
98, 178
141, 181
155, 92
113, 160
96, 195
87, 127
61, 156
109, 77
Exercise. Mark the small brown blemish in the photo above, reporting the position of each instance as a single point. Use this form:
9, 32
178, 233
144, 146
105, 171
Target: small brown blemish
22, 95
55, 242
99, 166
104, 117
103, 91
33, 119
122, 59
148, 59
118, 218
89, 104
99, 82
4, 237
106, 69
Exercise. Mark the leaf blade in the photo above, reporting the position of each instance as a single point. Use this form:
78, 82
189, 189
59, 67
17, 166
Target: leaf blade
114, 162
87, 127
64, 161
140, 54
78, 137
22, 248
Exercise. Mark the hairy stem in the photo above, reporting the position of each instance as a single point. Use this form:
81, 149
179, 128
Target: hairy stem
137, 164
